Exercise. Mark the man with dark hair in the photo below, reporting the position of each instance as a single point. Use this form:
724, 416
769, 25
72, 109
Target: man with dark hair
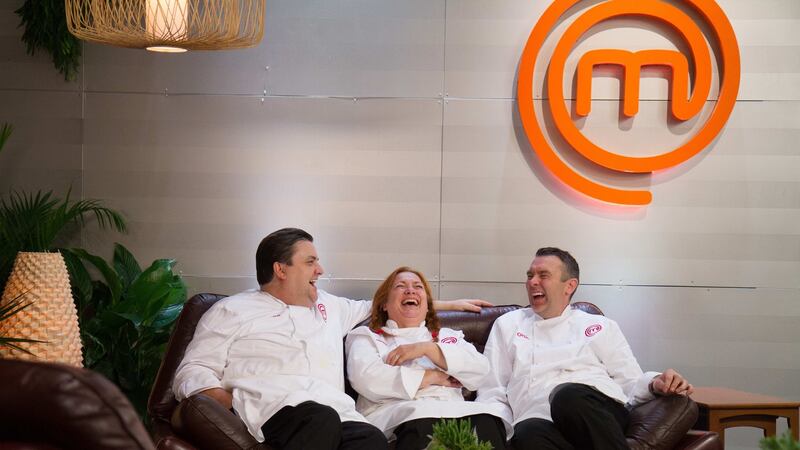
274, 355
278, 246
562, 378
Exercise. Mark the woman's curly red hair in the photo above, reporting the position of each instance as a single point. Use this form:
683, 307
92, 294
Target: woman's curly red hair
379, 315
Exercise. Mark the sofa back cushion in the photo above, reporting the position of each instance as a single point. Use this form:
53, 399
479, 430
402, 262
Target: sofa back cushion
162, 401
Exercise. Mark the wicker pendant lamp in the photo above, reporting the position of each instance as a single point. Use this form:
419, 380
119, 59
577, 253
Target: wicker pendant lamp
168, 25
42, 280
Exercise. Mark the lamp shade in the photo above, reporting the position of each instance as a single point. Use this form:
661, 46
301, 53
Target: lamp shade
42, 280
168, 25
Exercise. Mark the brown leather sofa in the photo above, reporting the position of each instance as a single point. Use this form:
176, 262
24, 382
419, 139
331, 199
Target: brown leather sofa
200, 422
45, 406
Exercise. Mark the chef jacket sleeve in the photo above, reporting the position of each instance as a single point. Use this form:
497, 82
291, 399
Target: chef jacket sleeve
353, 312
615, 353
494, 388
464, 362
373, 378
206, 355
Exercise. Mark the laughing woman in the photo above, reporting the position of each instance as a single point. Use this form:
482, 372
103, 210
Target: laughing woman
409, 372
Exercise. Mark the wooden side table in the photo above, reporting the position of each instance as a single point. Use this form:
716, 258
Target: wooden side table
722, 408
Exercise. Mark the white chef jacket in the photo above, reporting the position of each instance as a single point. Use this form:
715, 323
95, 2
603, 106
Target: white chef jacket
270, 355
530, 356
390, 395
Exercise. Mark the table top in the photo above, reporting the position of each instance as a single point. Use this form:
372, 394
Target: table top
720, 397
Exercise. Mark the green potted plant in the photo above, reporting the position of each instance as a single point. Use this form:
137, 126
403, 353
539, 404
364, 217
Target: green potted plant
126, 318
15, 305
455, 434
45, 23
784, 442
30, 224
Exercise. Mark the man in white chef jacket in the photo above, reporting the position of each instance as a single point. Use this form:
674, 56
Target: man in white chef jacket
274, 355
565, 379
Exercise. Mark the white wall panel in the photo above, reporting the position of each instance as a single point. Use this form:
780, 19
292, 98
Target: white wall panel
44, 150
496, 211
379, 48
485, 41
200, 174
232, 72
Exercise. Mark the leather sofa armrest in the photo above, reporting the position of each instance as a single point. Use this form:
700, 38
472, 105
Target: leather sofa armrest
661, 423
208, 425
699, 440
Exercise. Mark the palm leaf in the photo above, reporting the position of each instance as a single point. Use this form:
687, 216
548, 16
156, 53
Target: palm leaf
13, 307
6, 311
32, 222
5, 132
23, 220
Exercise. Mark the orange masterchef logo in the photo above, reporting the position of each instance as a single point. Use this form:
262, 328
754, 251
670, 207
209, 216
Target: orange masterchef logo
685, 104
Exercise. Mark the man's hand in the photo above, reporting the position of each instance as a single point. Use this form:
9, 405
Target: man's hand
439, 378
464, 304
222, 396
670, 383
410, 352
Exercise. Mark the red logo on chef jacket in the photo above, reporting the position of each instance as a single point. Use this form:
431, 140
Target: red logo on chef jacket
591, 330
323, 311
449, 340
522, 335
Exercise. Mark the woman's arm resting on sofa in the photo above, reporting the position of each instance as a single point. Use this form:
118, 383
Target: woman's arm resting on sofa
464, 304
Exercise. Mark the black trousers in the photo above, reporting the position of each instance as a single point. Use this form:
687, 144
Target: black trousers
413, 435
583, 418
312, 426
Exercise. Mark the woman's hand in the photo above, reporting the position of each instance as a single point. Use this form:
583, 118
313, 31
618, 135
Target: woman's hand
410, 352
438, 378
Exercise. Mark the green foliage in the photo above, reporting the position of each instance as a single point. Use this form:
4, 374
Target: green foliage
5, 133
32, 222
456, 434
8, 310
126, 319
45, 23
784, 442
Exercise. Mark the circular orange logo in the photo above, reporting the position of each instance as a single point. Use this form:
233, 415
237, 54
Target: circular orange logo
684, 104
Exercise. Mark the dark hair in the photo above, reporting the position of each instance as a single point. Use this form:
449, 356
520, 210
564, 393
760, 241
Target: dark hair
277, 247
379, 316
571, 269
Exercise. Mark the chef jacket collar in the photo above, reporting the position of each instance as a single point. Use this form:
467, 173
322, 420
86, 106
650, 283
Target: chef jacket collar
554, 320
